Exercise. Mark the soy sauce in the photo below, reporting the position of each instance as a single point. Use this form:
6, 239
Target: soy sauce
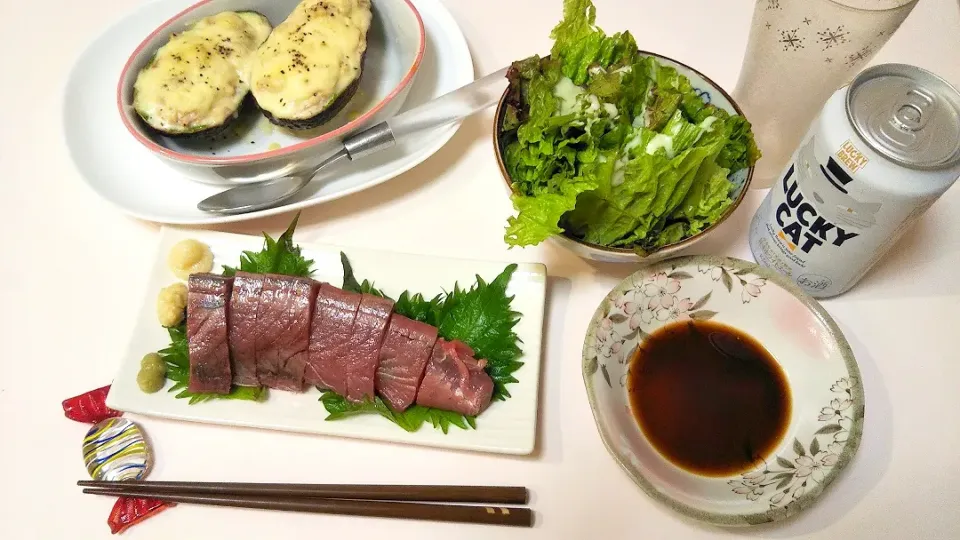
708, 397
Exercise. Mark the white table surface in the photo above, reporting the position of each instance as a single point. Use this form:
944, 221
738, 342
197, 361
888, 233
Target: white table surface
71, 264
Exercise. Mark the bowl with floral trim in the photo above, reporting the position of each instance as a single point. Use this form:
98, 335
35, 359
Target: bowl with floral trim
824, 422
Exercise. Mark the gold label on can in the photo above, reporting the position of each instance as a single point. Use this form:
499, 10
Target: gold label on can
852, 158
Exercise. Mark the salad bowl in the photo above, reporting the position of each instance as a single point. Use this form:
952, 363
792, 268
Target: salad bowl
710, 93
825, 418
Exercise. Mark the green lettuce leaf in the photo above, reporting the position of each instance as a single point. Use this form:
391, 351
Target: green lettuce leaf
664, 103
706, 201
579, 44
671, 233
683, 134
538, 216
742, 151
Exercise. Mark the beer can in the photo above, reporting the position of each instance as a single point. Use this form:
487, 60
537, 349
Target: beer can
882, 150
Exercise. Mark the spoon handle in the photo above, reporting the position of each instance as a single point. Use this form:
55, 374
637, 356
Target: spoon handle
452, 106
446, 109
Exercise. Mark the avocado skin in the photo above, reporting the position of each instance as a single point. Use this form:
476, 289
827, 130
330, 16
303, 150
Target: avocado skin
247, 106
321, 118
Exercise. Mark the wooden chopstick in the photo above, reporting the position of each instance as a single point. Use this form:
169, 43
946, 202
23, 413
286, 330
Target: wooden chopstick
491, 515
427, 493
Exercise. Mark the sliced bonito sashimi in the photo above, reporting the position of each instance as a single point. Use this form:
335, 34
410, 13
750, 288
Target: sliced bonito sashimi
403, 358
283, 330
244, 302
360, 364
208, 299
330, 335
454, 380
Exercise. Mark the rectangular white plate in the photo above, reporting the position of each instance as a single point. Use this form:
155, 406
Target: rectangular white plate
507, 427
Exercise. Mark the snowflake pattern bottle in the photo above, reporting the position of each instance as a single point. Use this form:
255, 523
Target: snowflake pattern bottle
799, 52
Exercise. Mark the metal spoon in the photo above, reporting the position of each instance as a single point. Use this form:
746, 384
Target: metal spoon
443, 110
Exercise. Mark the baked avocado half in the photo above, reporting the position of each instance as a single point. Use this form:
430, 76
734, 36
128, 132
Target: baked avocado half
197, 82
310, 66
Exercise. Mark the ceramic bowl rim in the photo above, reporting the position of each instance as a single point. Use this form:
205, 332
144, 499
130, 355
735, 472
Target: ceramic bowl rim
128, 120
588, 369
676, 246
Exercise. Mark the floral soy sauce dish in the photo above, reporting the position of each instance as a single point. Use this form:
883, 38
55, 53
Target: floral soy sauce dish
824, 380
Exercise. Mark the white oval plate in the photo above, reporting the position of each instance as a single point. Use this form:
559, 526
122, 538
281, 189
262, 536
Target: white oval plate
827, 395
139, 183
506, 427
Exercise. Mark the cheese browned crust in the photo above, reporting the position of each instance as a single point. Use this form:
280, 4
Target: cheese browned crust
200, 77
311, 60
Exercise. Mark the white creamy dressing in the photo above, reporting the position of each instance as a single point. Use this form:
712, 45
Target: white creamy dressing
660, 140
633, 142
593, 104
311, 57
573, 99
618, 174
199, 78
568, 94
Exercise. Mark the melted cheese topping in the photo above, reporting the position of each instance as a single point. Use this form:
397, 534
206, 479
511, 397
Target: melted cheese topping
199, 78
311, 57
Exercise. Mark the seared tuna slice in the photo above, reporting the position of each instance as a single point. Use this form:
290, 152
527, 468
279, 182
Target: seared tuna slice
368, 330
283, 330
454, 380
403, 357
243, 318
208, 297
330, 335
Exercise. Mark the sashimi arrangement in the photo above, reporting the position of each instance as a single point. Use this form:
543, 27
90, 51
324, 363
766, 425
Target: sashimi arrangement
268, 324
